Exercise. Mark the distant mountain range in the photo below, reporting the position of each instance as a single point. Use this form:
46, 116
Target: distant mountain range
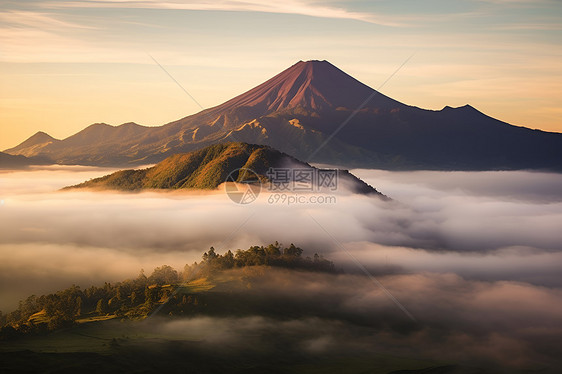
211, 166
317, 113
8, 161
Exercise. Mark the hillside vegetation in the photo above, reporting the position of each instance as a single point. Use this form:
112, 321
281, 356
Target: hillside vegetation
266, 309
203, 169
180, 293
209, 167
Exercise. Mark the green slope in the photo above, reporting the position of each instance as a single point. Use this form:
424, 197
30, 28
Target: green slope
203, 169
207, 168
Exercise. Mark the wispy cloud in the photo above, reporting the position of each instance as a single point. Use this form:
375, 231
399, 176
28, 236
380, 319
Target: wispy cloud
37, 20
520, 2
297, 7
552, 26
30, 36
34, 45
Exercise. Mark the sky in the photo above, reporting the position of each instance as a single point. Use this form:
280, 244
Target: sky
67, 64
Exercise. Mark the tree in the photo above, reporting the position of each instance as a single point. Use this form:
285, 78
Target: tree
58, 321
273, 250
164, 275
187, 273
227, 260
29, 306
101, 306
292, 251
135, 299
141, 279
149, 296
210, 256
78, 309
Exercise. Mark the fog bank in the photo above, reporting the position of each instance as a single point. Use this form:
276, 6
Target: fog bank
482, 226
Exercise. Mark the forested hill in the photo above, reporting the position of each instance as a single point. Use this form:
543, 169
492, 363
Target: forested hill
179, 292
203, 169
209, 167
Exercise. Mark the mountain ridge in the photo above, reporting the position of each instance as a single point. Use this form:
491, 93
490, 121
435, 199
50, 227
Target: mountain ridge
16, 162
300, 112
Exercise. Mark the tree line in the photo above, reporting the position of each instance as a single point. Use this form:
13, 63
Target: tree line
137, 298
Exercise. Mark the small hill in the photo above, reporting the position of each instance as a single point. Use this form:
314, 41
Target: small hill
139, 298
210, 167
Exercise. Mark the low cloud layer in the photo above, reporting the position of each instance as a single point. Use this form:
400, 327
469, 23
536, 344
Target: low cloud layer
529, 186
474, 257
515, 263
434, 215
490, 226
475, 323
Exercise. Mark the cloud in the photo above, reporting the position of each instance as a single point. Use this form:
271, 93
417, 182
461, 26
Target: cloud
516, 264
298, 7
40, 268
38, 20
449, 213
514, 2
469, 322
33, 44
488, 226
31, 36
474, 257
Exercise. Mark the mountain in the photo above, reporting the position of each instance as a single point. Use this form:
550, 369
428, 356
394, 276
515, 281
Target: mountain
8, 161
315, 85
318, 113
211, 166
33, 145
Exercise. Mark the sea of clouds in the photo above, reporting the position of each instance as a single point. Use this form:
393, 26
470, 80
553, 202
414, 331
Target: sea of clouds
475, 257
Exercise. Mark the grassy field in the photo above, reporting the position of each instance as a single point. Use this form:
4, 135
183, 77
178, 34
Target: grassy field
197, 286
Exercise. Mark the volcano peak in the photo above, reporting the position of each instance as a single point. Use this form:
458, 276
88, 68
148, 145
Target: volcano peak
314, 85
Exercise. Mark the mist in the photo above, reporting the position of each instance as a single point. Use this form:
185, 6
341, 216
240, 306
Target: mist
509, 324
473, 257
484, 225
